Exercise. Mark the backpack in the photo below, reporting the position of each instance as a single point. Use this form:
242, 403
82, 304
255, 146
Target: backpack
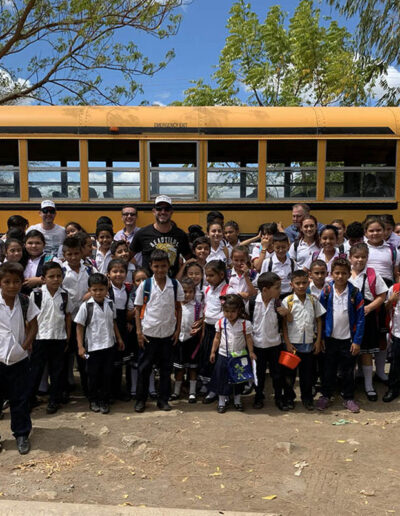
371, 278
38, 296
147, 292
128, 289
223, 290
290, 301
24, 301
327, 290
277, 304
44, 259
292, 265
89, 312
239, 366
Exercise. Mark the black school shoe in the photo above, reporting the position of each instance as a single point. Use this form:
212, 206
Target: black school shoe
258, 404
52, 408
94, 406
104, 408
281, 405
289, 404
140, 406
371, 395
308, 404
164, 405
209, 399
390, 396
23, 444
221, 409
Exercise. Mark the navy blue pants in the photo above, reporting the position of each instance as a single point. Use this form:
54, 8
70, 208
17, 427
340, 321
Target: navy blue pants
159, 352
269, 357
305, 369
14, 383
52, 352
100, 367
337, 354
394, 372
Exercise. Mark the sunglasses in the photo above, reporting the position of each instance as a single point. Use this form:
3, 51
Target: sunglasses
129, 214
163, 208
48, 210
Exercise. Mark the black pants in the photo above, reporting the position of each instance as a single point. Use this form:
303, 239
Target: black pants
100, 365
337, 354
52, 352
394, 372
160, 352
81, 362
270, 357
14, 383
305, 369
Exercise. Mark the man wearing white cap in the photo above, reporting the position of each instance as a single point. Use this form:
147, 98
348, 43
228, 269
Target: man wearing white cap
163, 234
53, 233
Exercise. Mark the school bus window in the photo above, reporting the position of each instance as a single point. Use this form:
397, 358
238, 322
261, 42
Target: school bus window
114, 169
9, 169
291, 169
360, 168
232, 169
173, 169
53, 169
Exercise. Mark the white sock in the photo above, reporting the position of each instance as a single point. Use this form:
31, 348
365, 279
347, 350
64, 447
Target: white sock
236, 399
380, 361
134, 375
178, 385
192, 386
367, 370
211, 394
221, 401
152, 386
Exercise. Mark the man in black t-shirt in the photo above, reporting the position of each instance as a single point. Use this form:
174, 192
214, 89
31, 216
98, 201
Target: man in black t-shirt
163, 234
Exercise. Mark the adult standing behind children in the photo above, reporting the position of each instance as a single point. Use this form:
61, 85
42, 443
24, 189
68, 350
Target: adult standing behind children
53, 233
163, 235
127, 233
299, 212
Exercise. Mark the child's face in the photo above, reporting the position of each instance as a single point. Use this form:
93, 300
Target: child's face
213, 277
318, 274
34, 247
354, 241
281, 249
122, 252
14, 252
87, 248
53, 279
195, 274
139, 277
160, 269
10, 285
71, 230
300, 285
232, 314
201, 251
98, 292
397, 229
239, 261
340, 275
374, 233
266, 237
328, 240
308, 228
73, 256
340, 229
215, 233
388, 231
359, 260
117, 275
189, 293
231, 235
272, 292
104, 238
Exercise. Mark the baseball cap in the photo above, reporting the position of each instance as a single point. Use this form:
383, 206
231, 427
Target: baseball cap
163, 198
47, 204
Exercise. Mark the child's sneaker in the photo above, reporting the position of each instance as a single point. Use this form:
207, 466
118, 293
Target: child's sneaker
192, 398
94, 406
352, 406
322, 403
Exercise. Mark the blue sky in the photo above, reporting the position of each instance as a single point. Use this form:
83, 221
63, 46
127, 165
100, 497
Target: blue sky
198, 44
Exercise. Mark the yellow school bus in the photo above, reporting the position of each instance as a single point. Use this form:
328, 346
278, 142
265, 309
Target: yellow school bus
251, 163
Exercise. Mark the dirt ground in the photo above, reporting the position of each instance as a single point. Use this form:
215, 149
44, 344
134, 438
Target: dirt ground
193, 457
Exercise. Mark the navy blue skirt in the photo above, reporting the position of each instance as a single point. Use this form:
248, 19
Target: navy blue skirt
220, 378
206, 368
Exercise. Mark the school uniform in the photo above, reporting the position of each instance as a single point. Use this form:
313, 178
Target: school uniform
237, 282
394, 371
233, 340
34, 268
256, 253
383, 258
301, 334
187, 349
300, 251
217, 254
373, 321
99, 343
314, 290
344, 324
50, 342
321, 256
283, 269
158, 326
102, 260
267, 347
14, 363
212, 313
230, 247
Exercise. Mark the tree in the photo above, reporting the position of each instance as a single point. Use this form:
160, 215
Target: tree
378, 32
66, 48
278, 63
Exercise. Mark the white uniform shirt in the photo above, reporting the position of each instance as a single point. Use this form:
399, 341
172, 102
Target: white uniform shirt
213, 307
358, 281
217, 254
321, 256
283, 270
159, 319
301, 329
31, 267
99, 334
265, 324
121, 297
12, 330
54, 237
395, 316
237, 283
51, 319
315, 291
188, 318
341, 322
256, 252
102, 261
234, 333
380, 258
304, 251
76, 284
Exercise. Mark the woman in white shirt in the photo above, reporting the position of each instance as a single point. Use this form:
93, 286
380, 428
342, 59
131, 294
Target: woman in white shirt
308, 243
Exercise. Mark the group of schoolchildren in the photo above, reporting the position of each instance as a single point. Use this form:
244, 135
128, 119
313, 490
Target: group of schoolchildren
330, 297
